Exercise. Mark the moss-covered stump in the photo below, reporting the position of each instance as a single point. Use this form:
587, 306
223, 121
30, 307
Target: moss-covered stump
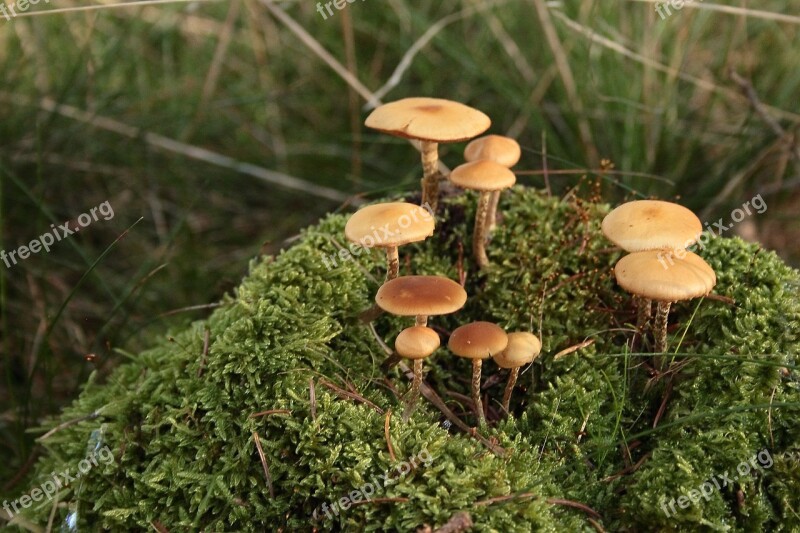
580, 449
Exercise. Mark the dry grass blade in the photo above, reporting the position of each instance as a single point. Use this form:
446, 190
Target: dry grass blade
107, 6
735, 10
572, 349
264, 464
171, 145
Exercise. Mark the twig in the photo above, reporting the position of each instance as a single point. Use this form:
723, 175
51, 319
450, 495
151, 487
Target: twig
380, 500
271, 412
565, 352
388, 435
628, 469
206, 337
552, 501
158, 526
90, 416
350, 395
720, 298
264, 464
312, 398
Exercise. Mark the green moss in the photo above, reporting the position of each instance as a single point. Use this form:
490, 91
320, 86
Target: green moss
181, 429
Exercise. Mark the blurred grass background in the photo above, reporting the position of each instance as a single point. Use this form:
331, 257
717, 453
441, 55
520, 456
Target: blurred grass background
182, 115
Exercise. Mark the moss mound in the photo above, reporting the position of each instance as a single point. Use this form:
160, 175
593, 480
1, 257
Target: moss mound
182, 428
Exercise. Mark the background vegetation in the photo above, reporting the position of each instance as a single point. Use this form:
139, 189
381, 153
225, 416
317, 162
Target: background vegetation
138, 106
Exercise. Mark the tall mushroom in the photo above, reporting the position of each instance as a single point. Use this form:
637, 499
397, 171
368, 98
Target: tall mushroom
389, 225
486, 177
522, 349
651, 225
477, 341
644, 274
431, 121
416, 343
497, 148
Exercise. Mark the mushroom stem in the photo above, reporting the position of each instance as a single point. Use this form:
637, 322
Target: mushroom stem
491, 214
414, 393
512, 380
660, 326
430, 174
479, 234
644, 312
476, 390
393, 263
421, 320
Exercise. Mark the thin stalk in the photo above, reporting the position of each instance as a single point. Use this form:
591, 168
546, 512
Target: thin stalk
660, 326
491, 214
479, 234
476, 390
392, 262
512, 380
414, 393
421, 320
430, 174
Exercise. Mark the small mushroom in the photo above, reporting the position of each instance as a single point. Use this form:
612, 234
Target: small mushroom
389, 225
484, 176
651, 225
421, 297
431, 121
497, 148
522, 349
643, 274
477, 341
416, 343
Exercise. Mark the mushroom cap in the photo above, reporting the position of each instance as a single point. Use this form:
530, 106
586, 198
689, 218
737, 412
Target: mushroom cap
661, 275
483, 175
651, 225
404, 223
478, 340
429, 119
416, 342
523, 348
421, 295
500, 149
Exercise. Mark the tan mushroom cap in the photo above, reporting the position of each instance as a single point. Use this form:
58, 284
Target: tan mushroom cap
404, 223
421, 295
429, 119
483, 175
478, 340
500, 149
661, 275
522, 349
651, 225
417, 342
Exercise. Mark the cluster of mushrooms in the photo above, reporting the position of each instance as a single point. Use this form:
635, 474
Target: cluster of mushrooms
647, 229
658, 268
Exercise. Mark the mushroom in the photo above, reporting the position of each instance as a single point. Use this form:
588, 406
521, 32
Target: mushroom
389, 225
522, 349
416, 343
651, 225
421, 297
477, 341
486, 177
497, 148
430, 121
644, 274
